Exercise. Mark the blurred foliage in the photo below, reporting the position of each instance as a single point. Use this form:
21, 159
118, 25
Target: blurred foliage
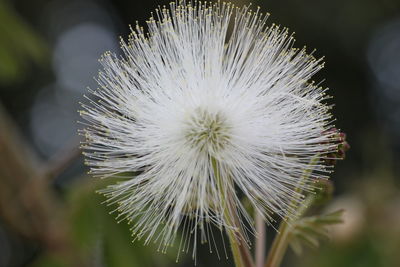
370, 234
309, 230
97, 235
19, 45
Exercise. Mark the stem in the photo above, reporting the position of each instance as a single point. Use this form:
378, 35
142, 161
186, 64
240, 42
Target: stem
279, 246
240, 252
62, 160
235, 249
281, 241
27, 203
260, 241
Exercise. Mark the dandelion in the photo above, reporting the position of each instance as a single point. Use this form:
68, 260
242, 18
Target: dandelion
209, 106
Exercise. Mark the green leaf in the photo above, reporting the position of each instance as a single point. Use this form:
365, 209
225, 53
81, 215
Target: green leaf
310, 230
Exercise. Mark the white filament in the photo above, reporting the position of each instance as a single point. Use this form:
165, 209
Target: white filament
192, 92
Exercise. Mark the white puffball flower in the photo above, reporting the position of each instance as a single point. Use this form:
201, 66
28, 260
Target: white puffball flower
207, 107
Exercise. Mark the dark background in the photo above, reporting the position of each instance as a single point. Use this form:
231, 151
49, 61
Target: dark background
48, 56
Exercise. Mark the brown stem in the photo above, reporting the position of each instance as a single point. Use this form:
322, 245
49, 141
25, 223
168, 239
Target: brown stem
62, 159
27, 202
260, 240
239, 247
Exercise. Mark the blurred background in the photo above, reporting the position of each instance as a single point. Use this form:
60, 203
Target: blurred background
49, 213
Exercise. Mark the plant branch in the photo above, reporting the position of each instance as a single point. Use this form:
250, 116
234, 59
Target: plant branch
61, 160
27, 202
260, 240
281, 241
240, 251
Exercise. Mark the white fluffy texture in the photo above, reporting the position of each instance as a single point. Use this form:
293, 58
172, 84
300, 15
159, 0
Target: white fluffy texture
192, 94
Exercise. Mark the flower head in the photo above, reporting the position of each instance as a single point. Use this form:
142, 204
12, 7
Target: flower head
200, 111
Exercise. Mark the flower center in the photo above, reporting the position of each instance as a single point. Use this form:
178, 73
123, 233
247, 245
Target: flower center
208, 131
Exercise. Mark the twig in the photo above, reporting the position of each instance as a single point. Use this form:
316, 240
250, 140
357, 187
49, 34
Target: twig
240, 251
260, 240
26, 199
281, 241
62, 160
